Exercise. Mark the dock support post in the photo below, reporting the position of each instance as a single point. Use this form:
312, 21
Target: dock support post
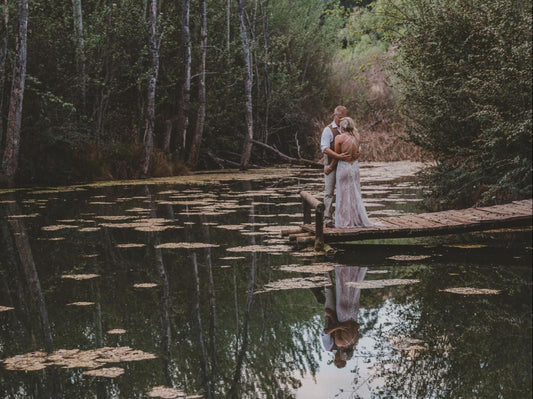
306, 211
319, 228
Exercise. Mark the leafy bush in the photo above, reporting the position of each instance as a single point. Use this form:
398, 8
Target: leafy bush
464, 72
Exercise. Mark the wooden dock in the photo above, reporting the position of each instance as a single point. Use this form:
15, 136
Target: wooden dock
514, 214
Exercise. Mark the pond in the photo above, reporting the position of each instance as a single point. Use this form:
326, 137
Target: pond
184, 287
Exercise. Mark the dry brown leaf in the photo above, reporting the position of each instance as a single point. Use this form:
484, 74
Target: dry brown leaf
80, 276
80, 304
317, 268
5, 308
186, 245
107, 372
130, 245
261, 248
296, 283
145, 285
166, 392
409, 257
471, 291
380, 283
116, 331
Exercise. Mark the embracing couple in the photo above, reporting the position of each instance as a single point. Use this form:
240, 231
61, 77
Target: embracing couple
340, 143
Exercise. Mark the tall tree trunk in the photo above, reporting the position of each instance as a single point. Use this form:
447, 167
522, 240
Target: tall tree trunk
264, 12
77, 16
14, 117
228, 30
200, 118
183, 112
153, 43
248, 79
3, 56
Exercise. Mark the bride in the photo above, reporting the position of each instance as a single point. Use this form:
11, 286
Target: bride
349, 208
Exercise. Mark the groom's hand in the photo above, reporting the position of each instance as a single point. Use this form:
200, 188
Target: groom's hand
344, 156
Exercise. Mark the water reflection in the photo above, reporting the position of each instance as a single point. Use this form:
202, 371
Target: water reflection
341, 308
212, 331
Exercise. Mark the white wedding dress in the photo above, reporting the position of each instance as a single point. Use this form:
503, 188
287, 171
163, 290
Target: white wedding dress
349, 208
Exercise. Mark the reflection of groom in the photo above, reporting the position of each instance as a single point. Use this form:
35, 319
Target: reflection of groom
327, 142
341, 330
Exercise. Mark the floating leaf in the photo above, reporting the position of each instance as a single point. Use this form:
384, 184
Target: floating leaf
57, 227
317, 268
296, 283
80, 304
89, 256
32, 215
380, 283
261, 248
467, 246
166, 392
377, 271
130, 245
186, 245
107, 372
117, 331
5, 308
80, 276
88, 229
232, 257
409, 257
471, 291
230, 226
145, 285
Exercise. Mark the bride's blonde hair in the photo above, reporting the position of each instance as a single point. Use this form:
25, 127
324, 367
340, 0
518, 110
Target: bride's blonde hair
348, 124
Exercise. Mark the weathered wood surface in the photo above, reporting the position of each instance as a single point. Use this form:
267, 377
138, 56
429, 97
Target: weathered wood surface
518, 213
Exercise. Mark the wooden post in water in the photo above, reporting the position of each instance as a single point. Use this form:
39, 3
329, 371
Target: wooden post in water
319, 227
309, 202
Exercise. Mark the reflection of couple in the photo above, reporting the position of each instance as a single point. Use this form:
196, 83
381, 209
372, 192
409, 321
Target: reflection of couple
340, 143
341, 330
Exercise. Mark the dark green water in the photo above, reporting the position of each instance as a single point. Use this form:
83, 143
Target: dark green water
213, 333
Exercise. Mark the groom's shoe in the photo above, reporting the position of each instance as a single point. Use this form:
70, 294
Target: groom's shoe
330, 225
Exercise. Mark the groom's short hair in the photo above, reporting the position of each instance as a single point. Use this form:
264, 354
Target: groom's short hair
341, 110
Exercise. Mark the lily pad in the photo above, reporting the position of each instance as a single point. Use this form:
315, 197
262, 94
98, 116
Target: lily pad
80, 304
145, 285
380, 283
317, 268
295, 283
260, 248
471, 291
80, 276
107, 372
186, 245
116, 331
166, 392
409, 257
5, 308
130, 245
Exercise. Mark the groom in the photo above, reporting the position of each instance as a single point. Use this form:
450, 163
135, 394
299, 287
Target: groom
327, 142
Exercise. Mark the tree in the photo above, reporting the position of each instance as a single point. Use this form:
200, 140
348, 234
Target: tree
14, 118
77, 17
153, 44
183, 113
248, 80
464, 71
200, 118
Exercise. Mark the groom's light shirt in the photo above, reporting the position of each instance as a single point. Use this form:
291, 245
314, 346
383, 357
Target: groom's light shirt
326, 139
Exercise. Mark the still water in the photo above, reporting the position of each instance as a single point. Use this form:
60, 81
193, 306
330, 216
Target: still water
185, 288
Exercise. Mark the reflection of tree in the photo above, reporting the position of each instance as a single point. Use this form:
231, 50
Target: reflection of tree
474, 346
21, 245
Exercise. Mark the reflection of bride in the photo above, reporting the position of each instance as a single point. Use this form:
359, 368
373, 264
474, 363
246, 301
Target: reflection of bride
341, 330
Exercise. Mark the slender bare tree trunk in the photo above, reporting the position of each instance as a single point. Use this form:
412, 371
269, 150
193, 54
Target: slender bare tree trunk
248, 79
183, 112
228, 29
3, 56
153, 43
77, 16
200, 118
264, 11
14, 117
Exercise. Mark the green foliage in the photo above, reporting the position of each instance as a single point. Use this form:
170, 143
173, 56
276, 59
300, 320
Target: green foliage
464, 72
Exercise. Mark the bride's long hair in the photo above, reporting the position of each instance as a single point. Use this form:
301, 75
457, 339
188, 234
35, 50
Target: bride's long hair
348, 125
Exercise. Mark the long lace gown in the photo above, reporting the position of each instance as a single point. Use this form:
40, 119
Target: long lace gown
349, 208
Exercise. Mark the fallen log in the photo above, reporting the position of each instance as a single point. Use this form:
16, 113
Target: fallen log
297, 161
